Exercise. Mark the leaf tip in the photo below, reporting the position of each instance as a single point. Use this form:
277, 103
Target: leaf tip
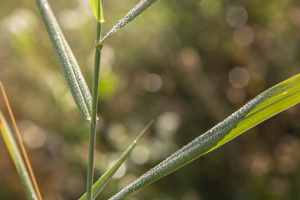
144, 130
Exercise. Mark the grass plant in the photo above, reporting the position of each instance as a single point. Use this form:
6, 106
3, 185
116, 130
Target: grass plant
267, 104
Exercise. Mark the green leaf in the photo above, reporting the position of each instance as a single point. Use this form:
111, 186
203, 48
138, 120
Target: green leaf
99, 185
76, 82
264, 106
97, 10
133, 13
17, 159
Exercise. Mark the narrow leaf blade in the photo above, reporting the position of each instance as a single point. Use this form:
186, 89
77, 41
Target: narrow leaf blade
264, 106
98, 13
99, 185
76, 82
27, 162
17, 159
133, 13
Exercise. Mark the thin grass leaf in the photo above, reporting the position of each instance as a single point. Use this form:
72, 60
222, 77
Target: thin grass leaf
133, 13
76, 82
99, 185
264, 106
27, 162
97, 12
17, 159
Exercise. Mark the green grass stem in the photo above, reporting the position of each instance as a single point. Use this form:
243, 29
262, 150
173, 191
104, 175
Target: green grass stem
93, 126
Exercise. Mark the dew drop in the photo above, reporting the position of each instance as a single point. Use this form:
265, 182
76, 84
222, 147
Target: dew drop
46, 6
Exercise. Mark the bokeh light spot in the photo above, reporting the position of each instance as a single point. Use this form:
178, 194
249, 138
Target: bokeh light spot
239, 77
120, 172
116, 133
189, 58
168, 123
20, 21
259, 165
244, 36
237, 17
153, 82
140, 155
34, 137
70, 19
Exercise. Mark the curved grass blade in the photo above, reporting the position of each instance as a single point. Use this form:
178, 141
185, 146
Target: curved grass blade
27, 162
95, 7
99, 185
76, 82
17, 158
133, 13
264, 106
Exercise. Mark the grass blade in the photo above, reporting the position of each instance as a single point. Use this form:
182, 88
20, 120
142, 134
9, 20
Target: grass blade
99, 185
133, 13
20, 140
98, 14
264, 106
17, 158
76, 82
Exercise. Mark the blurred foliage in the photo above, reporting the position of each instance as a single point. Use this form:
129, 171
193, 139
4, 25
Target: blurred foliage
189, 64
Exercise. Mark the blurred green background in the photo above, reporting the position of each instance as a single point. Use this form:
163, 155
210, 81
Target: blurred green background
188, 64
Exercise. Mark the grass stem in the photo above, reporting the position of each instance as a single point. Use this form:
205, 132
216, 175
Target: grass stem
93, 126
